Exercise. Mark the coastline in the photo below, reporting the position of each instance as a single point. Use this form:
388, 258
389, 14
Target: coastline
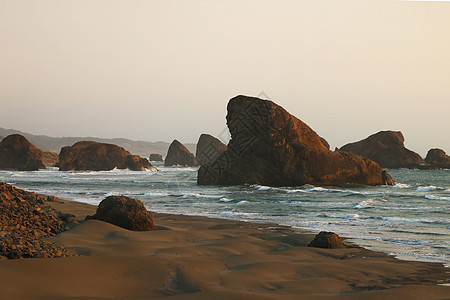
199, 257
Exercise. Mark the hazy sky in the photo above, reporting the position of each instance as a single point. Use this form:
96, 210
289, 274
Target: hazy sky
159, 70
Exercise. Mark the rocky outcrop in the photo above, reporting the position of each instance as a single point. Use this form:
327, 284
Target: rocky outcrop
179, 155
88, 155
156, 157
16, 152
327, 240
26, 221
208, 149
387, 149
269, 146
125, 212
438, 159
50, 158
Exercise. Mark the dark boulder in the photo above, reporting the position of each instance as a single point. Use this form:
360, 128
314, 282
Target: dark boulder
327, 240
387, 148
156, 157
208, 149
438, 159
269, 146
87, 155
179, 155
125, 212
16, 152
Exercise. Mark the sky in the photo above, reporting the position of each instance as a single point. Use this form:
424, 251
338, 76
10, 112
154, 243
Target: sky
163, 70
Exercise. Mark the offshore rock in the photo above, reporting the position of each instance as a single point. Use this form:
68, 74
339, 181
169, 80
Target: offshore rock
156, 157
208, 149
269, 146
387, 148
50, 158
438, 159
93, 156
16, 152
179, 155
125, 212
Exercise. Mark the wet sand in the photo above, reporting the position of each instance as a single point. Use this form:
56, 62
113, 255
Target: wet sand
204, 258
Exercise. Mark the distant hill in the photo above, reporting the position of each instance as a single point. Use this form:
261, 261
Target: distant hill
142, 148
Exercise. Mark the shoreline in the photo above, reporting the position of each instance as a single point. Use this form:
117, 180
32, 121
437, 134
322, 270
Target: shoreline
200, 257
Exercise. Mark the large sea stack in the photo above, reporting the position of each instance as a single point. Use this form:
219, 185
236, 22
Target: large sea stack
387, 148
93, 156
438, 159
17, 153
208, 149
179, 155
269, 146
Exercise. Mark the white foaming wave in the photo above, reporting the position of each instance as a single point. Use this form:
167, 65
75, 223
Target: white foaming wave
201, 196
401, 186
396, 219
426, 188
156, 194
225, 200
431, 197
241, 202
447, 191
365, 204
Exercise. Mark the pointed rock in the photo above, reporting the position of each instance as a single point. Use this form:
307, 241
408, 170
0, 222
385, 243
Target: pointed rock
16, 152
208, 149
179, 155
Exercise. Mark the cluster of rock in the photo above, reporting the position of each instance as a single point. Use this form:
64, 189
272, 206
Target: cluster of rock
17, 153
25, 223
124, 212
387, 148
179, 155
269, 146
88, 155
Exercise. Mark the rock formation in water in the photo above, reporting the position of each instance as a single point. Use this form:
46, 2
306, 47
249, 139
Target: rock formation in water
208, 149
438, 159
95, 156
269, 146
179, 155
156, 157
125, 212
387, 149
16, 152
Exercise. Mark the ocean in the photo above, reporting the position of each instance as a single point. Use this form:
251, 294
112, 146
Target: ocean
410, 220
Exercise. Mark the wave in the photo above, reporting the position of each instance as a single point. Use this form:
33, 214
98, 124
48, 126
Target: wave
427, 188
401, 186
431, 197
366, 204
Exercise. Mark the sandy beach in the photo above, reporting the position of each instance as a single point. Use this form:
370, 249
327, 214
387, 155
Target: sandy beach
203, 258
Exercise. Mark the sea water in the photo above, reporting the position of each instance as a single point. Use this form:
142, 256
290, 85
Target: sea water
409, 220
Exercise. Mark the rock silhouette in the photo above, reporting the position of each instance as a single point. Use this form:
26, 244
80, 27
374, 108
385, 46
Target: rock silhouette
156, 157
179, 155
387, 149
438, 159
269, 146
327, 240
208, 149
88, 155
16, 152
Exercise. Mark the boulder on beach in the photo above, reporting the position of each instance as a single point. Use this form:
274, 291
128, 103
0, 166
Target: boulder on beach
156, 157
16, 152
387, 149
438, 159
327, 240
269, 146
179, 155
125, 212
93, 156
208, 149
